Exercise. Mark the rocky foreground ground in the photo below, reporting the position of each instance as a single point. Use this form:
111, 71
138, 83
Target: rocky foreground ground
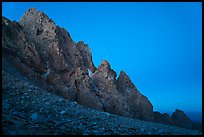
30, 110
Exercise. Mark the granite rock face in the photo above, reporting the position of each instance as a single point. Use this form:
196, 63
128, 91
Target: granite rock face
47, 55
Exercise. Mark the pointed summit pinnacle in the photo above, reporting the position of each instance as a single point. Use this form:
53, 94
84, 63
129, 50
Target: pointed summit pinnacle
32, 10
105, 63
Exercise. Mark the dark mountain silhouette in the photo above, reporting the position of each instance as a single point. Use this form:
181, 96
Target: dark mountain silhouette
46, 55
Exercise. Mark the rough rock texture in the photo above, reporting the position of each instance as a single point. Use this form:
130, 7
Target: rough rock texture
47, 55
104, 86
30, 110
139, 105
180, 119
163, 118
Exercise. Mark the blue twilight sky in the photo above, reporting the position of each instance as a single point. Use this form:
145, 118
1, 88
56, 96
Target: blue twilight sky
159, 45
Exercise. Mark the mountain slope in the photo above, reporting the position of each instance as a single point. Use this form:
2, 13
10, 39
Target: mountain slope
45, 55
30, 110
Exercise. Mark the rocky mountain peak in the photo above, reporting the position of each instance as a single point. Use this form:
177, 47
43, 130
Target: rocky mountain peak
178, 111
105, 63
180, 119
104, 66
47, 55
36, 22
81, 43
124, 81
86, 55
5, 21
33, 13
123, 75
106, 70
32, 9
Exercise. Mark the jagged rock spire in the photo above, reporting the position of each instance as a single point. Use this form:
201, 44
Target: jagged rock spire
37, 44
35, 16
124, 81
104, 64
180, 119
106, 70
35, 23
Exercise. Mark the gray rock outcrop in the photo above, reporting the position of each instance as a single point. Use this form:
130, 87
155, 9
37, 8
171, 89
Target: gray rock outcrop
180, 119
139, 105
30, 110
47, 55
162, 118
